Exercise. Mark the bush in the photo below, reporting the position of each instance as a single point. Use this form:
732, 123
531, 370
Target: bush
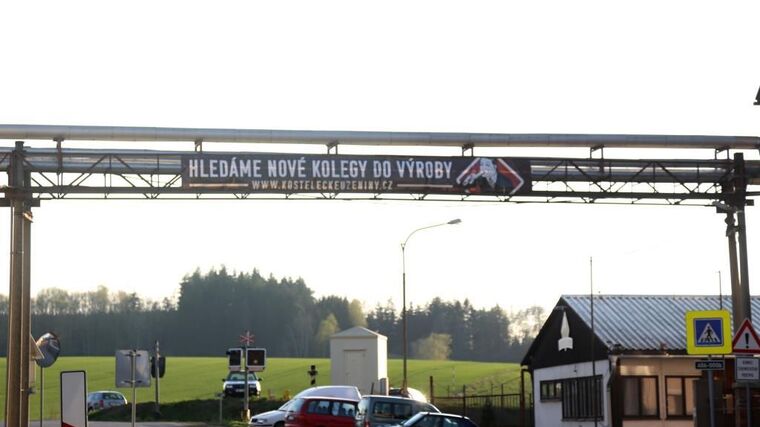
189, 410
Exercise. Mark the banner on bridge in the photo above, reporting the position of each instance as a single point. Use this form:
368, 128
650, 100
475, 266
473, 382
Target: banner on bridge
298, 173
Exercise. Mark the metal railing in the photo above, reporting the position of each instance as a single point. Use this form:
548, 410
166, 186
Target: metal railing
489, 410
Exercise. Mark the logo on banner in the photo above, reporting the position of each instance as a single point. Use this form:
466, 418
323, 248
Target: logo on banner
486, 175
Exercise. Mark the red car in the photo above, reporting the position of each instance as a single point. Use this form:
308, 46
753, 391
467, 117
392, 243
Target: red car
321, 412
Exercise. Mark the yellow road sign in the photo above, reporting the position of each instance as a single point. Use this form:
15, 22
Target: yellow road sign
708, 332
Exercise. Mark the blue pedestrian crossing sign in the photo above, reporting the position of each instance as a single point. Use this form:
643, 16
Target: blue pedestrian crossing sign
712, 333
708, 332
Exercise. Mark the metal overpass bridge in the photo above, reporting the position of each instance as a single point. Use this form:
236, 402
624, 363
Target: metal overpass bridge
723, 179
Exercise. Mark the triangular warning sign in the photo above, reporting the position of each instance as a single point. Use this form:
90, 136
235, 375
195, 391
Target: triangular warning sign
708, 336
746, 339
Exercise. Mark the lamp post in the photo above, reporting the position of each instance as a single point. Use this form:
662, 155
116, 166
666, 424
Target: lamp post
405, 384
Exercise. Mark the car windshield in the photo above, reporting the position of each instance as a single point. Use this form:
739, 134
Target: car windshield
392, 410
331, 407
414, 419
285, 406
112, 396
239, 376
429, 408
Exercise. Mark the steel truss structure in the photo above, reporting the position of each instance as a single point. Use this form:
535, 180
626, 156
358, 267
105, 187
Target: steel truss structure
143, 174
48, 174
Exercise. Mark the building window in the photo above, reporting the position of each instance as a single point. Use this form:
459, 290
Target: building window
640, 397
582, 398
551, 390
680, 396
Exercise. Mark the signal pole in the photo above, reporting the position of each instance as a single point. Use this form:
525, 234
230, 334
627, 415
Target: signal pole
246, 340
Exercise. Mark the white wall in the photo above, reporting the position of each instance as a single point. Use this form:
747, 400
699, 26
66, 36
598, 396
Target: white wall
550, 413
382, 365
359, 361
659, 367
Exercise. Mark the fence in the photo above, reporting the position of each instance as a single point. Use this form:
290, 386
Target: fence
488, 410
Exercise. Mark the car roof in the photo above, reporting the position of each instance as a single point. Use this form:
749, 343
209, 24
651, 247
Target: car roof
412, 392
383, 396
444, 414
339, 391
340, 399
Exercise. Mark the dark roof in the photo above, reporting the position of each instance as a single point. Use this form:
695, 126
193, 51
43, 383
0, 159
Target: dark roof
644, 322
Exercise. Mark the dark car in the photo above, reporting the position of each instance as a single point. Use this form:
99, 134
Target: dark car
234, 384
437, 419
321, 411
380, 410
411, 393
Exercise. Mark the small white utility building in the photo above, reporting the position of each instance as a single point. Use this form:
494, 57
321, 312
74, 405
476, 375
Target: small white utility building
359, 357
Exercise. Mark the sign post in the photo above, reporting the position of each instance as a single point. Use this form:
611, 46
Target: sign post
156, 374
246, 340
133, 370
707, 333
746, 343
50, 347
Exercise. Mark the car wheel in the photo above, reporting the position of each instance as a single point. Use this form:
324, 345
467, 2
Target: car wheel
279, 424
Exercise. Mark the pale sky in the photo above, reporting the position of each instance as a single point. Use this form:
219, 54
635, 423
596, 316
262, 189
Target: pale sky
644, 67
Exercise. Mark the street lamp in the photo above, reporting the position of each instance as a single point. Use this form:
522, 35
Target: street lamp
403, 280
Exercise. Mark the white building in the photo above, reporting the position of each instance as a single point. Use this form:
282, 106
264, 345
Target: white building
642, 376
359, 357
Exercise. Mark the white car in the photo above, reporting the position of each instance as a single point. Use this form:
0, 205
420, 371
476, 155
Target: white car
234, 384
98, 400
276, 418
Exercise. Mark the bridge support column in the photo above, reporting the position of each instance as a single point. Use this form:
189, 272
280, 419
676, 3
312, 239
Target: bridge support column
19, 307
740, 202
735, 198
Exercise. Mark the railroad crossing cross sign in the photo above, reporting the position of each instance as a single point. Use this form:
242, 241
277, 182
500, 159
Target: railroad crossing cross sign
707, 332
746, 339
247, 338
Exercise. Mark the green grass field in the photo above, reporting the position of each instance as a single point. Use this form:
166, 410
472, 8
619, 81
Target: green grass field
190, 378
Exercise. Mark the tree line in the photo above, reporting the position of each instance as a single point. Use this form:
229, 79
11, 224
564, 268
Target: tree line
213, 309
